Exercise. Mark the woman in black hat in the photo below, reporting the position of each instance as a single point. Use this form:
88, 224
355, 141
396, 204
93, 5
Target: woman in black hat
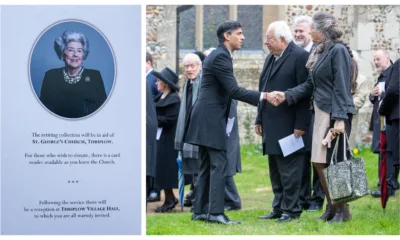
167, 109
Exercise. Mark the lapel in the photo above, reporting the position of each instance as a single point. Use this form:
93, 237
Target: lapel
322, 57
225, 49
280, 61
264, 75
266, 64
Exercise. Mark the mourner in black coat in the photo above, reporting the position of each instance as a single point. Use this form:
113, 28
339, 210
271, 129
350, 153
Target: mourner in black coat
375, 120
384, 66
190, 153
206, 126
151, 142
167, 109
284, 68
72, 100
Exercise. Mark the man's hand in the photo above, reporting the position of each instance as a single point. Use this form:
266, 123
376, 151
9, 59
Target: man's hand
258, 129
298, 133
376, 91
275, 98
339, 126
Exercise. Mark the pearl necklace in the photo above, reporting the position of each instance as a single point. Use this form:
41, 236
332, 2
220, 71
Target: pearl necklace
72, 79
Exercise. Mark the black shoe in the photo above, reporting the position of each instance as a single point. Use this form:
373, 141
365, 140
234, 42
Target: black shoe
232, 208
167, 206
271, 215
305, 207
314, 208
220, 218
199, 217
153, 197
376, 193
285, 218
187, 203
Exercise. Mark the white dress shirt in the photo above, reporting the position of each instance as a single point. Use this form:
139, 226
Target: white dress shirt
308, 47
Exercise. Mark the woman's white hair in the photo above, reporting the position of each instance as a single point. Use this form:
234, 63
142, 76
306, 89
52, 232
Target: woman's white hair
281, 29
66, 37
191, 56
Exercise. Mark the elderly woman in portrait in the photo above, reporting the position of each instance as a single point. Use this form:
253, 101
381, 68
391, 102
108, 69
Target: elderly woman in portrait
331, 80
167, 109
72, 91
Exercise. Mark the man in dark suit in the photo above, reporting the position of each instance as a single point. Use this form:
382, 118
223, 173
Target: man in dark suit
284, 68
315, 201
151, 80
389, 108
151, 142
153, 194
206, 126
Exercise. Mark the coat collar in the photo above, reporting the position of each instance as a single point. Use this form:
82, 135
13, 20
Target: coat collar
171, 98
226, 50
285, 55
323, 56
387, 71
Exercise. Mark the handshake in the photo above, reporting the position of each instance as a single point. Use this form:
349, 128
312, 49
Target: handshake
275, 97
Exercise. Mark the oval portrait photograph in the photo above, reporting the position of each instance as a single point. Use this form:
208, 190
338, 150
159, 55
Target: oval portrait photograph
72, 69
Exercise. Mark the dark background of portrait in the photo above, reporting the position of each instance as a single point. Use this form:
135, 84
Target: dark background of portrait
44, 57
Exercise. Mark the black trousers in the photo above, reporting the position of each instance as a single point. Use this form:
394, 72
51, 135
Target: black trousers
392, 154
286, 174
232, 197
195, 178
305, 188
210, 194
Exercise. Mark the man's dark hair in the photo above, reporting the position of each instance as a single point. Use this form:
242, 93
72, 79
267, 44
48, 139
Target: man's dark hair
227, 26
149, 58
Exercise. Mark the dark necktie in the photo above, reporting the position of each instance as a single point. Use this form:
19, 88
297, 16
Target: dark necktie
189, 94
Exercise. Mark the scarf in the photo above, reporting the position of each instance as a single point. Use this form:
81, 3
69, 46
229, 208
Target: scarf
316, 52
188, 150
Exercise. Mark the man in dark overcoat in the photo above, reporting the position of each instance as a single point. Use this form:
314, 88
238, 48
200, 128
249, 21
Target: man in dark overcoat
151, 142
384, 67
154, 192
206, 126
190, 153
284, 68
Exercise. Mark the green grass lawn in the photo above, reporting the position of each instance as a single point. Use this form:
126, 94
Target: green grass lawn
255, 191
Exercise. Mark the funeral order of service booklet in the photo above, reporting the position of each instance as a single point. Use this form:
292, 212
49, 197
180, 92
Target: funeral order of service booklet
70, 120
